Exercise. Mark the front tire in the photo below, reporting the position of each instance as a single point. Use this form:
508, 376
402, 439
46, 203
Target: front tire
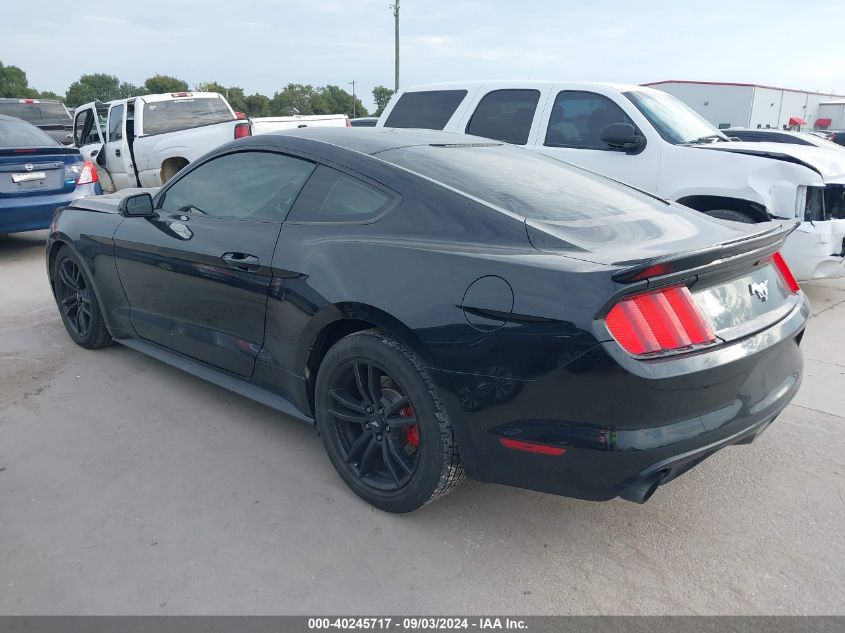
77, 302
383, 425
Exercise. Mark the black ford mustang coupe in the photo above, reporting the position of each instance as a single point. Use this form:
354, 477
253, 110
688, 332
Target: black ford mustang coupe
439, 304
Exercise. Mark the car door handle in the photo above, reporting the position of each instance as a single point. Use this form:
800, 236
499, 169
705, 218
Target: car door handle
117, 152
241, 261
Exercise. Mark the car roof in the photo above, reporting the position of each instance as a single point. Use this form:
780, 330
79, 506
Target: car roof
523, 83
368, 140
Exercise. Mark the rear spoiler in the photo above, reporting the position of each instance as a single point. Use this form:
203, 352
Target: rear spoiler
726, 254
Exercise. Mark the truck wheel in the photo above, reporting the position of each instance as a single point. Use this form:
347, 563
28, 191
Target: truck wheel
730, 214
383, 425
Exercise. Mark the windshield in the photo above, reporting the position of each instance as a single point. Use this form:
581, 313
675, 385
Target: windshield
675, 122
182, 114
36, 112
15, 134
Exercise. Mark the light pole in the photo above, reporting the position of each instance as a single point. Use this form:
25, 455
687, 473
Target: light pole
395, 9
353, 97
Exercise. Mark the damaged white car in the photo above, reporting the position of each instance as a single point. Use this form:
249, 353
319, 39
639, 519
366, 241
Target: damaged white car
651, 140
144, 141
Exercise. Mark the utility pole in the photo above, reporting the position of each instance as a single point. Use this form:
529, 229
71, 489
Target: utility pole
353, 82
395, 9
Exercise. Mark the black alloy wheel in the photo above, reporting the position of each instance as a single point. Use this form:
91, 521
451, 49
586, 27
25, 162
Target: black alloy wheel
383, 424
375, 428
77, 301
74, 298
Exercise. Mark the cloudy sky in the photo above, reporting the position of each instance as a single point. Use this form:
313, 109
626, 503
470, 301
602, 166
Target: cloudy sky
261, 45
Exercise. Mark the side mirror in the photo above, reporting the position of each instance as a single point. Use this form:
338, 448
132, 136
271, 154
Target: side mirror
622, 136
139, 205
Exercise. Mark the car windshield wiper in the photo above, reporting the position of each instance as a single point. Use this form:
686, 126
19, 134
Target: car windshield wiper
704, 139
189, 207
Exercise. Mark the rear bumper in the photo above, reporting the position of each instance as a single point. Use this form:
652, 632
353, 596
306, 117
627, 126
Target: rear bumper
817, 250
626, 424
36, 212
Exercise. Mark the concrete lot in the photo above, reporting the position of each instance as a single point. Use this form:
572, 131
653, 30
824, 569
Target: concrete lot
128, 487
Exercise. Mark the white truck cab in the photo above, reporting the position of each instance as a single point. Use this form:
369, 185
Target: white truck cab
144, 141
652, 141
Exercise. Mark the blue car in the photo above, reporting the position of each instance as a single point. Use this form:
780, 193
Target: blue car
37, 175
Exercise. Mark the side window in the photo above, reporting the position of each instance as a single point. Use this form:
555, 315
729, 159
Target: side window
505, 115
332, 196
578, 118
430, 109
258, 186
116, 123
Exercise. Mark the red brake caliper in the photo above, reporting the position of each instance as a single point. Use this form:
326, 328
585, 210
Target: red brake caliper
412, 432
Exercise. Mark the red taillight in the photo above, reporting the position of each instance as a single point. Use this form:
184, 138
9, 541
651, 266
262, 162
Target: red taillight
783, 269
181, 94
531, 447
88, 175
659, 321
242, 130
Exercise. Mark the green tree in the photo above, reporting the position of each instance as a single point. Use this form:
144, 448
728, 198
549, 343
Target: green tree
257, 105
49, 94
381, 96
13, 83
234, 95
335, 100
127, 90
96, 87
164, 83
293, 99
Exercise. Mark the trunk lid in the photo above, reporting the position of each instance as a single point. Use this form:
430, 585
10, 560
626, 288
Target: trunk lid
37, 171
735, 283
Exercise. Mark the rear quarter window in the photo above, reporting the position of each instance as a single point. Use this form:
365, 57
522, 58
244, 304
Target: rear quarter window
333, 196
428, 109
182, 114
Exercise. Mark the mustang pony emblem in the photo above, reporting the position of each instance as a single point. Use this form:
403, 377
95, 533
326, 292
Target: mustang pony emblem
760, 289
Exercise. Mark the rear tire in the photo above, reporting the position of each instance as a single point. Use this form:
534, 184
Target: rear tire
77, 301
369, 389
730, 214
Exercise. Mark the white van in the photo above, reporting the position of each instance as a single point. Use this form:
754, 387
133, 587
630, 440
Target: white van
144, 141
652, 141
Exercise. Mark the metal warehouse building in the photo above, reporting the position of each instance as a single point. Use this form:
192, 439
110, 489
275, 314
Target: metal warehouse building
753, 106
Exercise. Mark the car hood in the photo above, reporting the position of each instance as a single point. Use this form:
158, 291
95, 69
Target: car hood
828, 163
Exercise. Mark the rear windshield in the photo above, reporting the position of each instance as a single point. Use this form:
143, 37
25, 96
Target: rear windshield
524, 182
14, 134
36, 112
182, 114
429, 110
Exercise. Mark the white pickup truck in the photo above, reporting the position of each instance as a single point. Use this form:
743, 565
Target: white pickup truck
143, 141
649, 139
